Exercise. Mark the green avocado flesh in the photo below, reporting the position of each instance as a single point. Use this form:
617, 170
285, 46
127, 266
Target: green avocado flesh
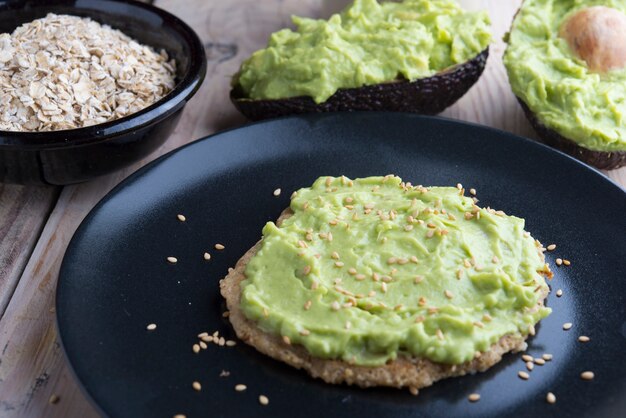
369, 269
368, 43
557, 86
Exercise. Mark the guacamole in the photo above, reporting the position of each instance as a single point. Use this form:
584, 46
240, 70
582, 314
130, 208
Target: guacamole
557, 86
368, 43
369, 269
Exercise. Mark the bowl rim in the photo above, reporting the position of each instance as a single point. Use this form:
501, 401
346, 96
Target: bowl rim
184, 89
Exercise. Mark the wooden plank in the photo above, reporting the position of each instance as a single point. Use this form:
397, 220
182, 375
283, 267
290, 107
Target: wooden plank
32, 367
23, 212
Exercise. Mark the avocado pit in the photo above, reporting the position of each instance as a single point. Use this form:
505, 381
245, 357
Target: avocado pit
597, 35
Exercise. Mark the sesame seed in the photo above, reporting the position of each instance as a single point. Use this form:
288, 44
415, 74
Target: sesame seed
584, 339
277, 192
567, 262
197, 386
305, 332
587, 375
207, 338
474, 397
523, 375
527, 358
360, 277
335, 255
286, 340
550, 398
418, 279
195, 348
547, 357
559, 261
306, 270
479, 324
448, 294
181, 217
352, 271
314, 285
231, 343
307, 305
539, 361
172, 260
383, 287
459, 186
420, 318
207, 256
240, 387
495, 259
531, 329
487, 318
263, 400
392, 260
559, 293
530, 365
422, 301
338, 264
414, 391
567, 326
335, 306
222, 341
430, 233
151, 327
203, 345
551, 247
180, 416
330, 236
226, 314
472, 191
203, 334
219, 247
349, 199
54, 399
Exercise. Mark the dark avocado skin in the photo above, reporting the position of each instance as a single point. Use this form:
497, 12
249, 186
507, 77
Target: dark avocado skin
427, 96
598, 159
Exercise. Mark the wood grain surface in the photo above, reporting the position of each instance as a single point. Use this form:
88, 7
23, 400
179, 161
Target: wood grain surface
36, 224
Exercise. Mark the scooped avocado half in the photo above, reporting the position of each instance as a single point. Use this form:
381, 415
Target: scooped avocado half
415, 55
566, 61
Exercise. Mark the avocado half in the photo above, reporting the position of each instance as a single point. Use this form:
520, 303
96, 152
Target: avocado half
598, 159
604, 160
427, 96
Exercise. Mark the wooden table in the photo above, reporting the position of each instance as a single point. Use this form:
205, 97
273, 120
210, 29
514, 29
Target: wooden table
36, 223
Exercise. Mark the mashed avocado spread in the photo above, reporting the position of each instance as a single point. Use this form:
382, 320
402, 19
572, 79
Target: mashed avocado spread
586, 107
369, 269
368, 43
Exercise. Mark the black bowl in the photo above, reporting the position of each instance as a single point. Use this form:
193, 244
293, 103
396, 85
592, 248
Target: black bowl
76, 155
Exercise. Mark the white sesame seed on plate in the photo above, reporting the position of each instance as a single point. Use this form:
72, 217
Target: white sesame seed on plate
474, 397
240, 387
523, 375
277, 192
587, 375
151, 327
181, 218
550, 398
219, 247
584, 339
196, 386
172, 260
263, 400
207, 256
567, 326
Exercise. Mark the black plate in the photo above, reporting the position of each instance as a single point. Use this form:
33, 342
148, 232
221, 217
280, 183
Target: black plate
114, 279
